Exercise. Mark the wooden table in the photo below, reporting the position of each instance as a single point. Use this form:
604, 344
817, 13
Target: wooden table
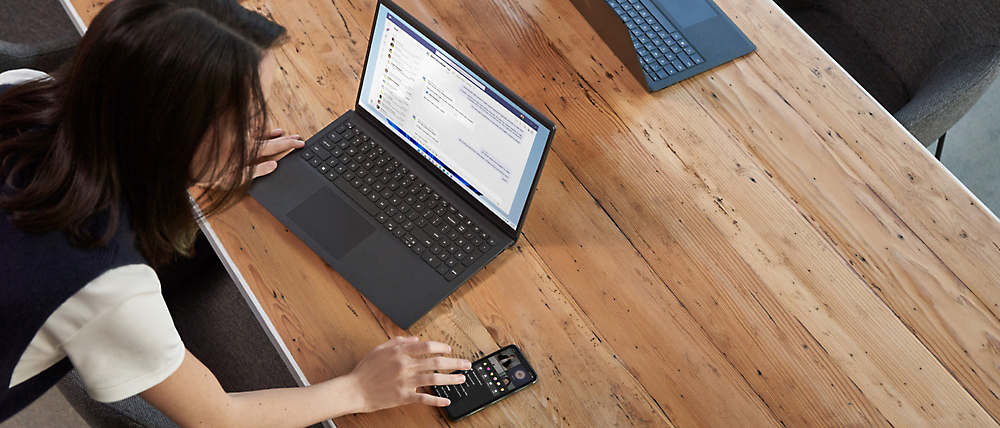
762, 245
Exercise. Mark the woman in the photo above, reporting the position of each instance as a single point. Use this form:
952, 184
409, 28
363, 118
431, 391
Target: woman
95, 164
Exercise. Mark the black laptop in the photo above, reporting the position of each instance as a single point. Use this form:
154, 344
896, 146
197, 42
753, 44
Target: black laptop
662, 42
423, 183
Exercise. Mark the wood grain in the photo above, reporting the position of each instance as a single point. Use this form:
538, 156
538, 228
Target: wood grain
761, 245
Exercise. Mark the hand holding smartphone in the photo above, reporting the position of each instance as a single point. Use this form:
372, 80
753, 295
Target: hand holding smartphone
491, 379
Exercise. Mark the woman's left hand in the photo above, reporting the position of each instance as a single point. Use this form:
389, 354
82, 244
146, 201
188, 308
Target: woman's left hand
275, 147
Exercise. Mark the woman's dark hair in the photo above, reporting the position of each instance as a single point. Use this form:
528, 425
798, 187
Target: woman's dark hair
154, 85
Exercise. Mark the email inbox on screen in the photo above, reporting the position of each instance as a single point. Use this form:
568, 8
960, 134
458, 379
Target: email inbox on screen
451, 115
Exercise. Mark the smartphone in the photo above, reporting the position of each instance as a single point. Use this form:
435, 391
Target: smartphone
491, 379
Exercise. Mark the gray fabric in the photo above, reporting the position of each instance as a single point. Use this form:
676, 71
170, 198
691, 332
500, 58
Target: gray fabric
926, 61
949, 91
215, 324
35, 34
132, 412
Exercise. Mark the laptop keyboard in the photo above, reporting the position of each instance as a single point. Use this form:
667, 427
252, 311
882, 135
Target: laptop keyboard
396, 197
663, 51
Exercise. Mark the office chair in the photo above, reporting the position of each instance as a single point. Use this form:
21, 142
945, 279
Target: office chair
35, 34
926, 61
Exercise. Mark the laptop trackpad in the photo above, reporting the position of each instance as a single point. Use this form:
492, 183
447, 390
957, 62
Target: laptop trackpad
331, 222
686, 12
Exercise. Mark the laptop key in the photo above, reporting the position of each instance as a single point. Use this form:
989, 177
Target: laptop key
381, 217
348, 175
341, 129
315, 161
306, 154
433, 233
320, 152
418, 249
451, 274
435, 249
431, 259
471, 258
450, 262
442, 269
422, 237
391, 210
399, 217
355, 196
399, 232
331, 176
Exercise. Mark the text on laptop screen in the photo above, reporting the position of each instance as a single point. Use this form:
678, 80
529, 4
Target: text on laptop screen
475, 135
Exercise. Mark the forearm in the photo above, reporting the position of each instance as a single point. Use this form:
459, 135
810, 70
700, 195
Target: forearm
193, 397
293, 407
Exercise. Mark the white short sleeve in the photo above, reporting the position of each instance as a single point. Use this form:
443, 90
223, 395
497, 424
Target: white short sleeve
21, 75
116, 331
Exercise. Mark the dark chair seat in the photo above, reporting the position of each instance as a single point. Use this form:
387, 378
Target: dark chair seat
35, 34
926, 61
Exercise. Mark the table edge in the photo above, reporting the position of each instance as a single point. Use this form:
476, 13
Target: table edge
253, 303
894, 120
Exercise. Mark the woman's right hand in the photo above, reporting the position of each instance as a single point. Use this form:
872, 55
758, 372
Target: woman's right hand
390, 374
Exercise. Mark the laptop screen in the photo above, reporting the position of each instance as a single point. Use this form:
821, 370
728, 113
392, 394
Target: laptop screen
474, 134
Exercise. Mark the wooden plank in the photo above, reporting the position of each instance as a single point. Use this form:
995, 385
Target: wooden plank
651, 331
875, 217
587, 159
807, 363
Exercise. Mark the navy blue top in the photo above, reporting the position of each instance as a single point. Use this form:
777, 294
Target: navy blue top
38, 272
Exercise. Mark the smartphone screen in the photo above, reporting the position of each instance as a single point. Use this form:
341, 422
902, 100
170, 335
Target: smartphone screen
491, 379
